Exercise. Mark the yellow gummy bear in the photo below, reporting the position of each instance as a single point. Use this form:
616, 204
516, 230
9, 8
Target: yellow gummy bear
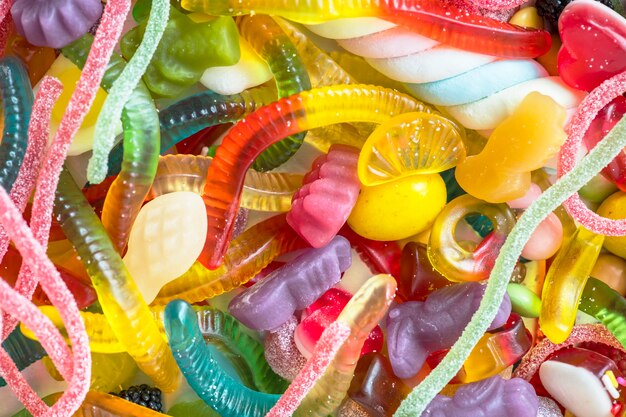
521, 144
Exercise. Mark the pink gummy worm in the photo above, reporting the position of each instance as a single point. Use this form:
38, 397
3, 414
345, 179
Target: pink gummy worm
105, 40
576, 129
34, 256
51, 340
38, 128
325, 350
37, 141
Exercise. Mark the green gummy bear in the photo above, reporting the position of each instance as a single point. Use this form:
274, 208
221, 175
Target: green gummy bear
190, 45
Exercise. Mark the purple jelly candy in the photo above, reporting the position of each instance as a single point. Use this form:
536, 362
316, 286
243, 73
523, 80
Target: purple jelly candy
54, 23
491, 397
272, 301
416, 329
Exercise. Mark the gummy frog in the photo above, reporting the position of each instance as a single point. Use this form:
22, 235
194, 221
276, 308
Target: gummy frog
519, 145
190, 45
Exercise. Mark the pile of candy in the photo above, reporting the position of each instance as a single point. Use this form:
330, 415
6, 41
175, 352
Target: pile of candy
274, 208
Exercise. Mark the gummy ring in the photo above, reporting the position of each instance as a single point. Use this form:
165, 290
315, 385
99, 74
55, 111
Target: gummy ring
455, 261
578, 126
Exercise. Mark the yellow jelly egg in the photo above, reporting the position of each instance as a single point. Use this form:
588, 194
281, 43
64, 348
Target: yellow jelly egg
69, 74
614, 207
398, 209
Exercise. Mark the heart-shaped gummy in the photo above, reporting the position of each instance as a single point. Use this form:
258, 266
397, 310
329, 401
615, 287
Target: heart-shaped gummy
594, 44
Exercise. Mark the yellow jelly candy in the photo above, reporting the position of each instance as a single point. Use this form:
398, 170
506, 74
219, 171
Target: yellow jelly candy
166, 240
527, 17
521, 144
409, 144
68, 73
614, 207
398, 209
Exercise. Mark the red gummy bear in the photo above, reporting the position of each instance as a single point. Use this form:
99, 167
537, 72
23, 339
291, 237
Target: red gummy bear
594, 44
321, 314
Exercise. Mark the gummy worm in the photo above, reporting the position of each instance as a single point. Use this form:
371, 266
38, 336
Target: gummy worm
192, 114
99, 332
587, 111
119, 297
17, 102
105, 40
122, 90
141, 150
245, 352
100, 404
27, 312
607, 305
362, 313
266, 126
269, 41
249, 253
41, 215
77, 373
326, 348
203, 373
23, 352
37, 142
218, 327
322, 69
430, 18
262, 191
598, 158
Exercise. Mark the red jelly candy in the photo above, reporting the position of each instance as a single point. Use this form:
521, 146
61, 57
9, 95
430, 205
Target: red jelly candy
594, 39
321, 314
601, 125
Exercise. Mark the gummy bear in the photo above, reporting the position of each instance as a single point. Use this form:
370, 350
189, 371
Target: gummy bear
519, 145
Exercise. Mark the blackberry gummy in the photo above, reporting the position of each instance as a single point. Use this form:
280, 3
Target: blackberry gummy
552, 9
143, 395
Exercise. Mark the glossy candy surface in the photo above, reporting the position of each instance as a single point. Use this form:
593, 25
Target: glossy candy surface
322, 205
565, 282
520, 144
452, 258
416, 329
54, 23
272, 301
175, 67
593, 38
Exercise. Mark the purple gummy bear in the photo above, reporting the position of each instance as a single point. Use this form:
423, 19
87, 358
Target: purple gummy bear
491, 397
272, 301
416, 329
55, 23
